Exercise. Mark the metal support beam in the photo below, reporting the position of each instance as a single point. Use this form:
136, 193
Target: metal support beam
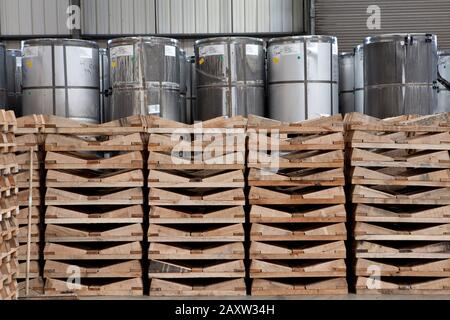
76, 33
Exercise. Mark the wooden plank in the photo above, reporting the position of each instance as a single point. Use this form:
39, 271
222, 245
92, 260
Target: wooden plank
297, 269
57, 143
185, 269
127, 269
197, 197
367, 231
330, 177
286, 250
196, 179
163, 215
415, 268
57, 215
203, 233
22, 179
298, 232
58, 233
94, 179
202, 251
222, 287
415, 214
300, 286
264, 214
59, 197
296, 195
366, 285
402, 250
322, 124
102, 251
129, 287
229, 161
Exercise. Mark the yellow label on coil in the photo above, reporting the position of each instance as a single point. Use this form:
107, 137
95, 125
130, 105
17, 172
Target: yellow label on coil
201, 61
276, 60
29, 64
114, 64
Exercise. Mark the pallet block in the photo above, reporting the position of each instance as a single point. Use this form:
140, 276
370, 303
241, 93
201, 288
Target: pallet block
392, 232
97, 269
196, 269
8, 164
59, 197
402, 214
299, 286
74, 160
196, 179
8, 121
94, 179
410, 268
197, 251
197, 287
60, 215
297, 250
202, 233
8, 247
194, 215
298, 232
297, 269
286, 214
93, 251
403, 250
296, 195
197, 197
87, 233
100, 287
403, 285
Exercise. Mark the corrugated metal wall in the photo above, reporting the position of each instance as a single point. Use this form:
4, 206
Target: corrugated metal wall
347, 19
33, 17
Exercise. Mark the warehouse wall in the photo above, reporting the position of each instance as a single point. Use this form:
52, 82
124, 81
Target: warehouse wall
347, 19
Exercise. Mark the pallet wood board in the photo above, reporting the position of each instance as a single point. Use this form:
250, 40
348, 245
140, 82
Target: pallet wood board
94, 179
76, 160
61, 215
170, 269
297, 250
295, 177
22, 179
287, 214
200, 287
396, 214
392, 232
93, 251
298, 232
202, 233
86, 233
297, 269
299, 286
60, 197
196, 179
107, 287
296, 195
410, 268
200, 251
296, 159
402, 250
34, 270
98, 269
439, 286
187, 215
197, 197
167, 161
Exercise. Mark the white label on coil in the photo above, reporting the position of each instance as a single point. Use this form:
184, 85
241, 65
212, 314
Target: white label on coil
154, 109
251, 49
19, 62
286, 49
85, 53
170, 51
30, 52
122, 51
214, 50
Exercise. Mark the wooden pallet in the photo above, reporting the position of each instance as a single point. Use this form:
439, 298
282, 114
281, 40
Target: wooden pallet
22, 251
23, 194
299, 286
8, 247
61, 215
197, 197
169, 269
297, 250
196, 233
34, 270
96, 287
60, 197
402, 214
296, 195
287, 214
8, 229
196, 251
196, 179
22, 179
7, 143
394, 232
93, 269
76, 160
168, 161
296, 177
403, 250
8, 164
193, 215
403, 268
297, 269
298, 232
296, 159
91, 233
94, 179
197, 287
22, 234
403, 285
8, 121
93, 251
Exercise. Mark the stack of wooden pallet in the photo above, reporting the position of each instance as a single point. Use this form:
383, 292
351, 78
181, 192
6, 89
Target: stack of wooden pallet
297, 214
401, 177
94, 212
196, 231
9, 208
29, 156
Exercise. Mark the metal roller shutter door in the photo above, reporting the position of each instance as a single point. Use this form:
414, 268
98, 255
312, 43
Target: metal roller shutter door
347, 19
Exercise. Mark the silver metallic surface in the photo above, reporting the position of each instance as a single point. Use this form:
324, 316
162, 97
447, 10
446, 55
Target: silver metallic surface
346, 82
191, 96
359, 78
400, 75
230, 77
145, 77
183, 86
3, 90
103, 63
303, 73
444, 71
61, 77
14, 80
